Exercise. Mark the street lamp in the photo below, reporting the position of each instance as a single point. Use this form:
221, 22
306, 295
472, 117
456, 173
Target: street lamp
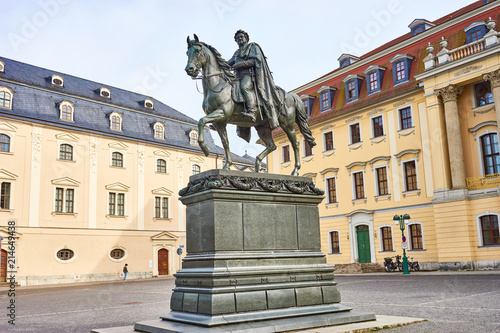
402, 220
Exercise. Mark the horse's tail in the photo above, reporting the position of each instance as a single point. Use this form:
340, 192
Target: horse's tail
301, 120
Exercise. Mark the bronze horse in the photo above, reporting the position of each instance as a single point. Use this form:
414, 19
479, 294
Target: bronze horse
220, 109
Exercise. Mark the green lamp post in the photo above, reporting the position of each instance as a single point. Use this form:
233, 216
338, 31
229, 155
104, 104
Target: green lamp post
402, 220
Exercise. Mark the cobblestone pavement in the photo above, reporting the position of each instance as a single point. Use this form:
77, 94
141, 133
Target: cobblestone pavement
460, 302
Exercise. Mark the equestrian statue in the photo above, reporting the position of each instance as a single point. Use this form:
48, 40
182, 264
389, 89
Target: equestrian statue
242, 92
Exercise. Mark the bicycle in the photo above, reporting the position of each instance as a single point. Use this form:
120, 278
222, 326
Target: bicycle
413, 265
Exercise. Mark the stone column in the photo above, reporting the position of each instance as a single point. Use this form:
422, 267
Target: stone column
449, 95
494, 78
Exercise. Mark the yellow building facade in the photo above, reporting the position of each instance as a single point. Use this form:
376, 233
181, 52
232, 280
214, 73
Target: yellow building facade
409, 128
89, 178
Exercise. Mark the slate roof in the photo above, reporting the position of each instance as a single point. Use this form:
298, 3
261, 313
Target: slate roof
91, 113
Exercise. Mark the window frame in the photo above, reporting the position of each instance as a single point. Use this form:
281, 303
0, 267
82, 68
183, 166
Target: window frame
114, 160
307, 150
479, 229
496, 167
377, 180
5, 143
373, 128
159, 131
116, 204
64, 154
63, 204
3, 101
481, 149
382, 239
193, 138
351, 87
195, 169
405, 176
5, 198
62, 261
409, 236
285, 148
355, 185
159, 167
330, 242
125, 255
325, 148
351, 142
161, 211
400, 118
475, 98
112, 123
328, 191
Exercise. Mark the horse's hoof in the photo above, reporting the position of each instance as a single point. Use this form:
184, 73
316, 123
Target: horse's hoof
205, 148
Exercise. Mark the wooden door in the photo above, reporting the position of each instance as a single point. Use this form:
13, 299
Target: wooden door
3, 275
163, 262
363, 237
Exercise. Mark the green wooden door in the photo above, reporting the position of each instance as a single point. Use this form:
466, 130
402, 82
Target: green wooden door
363, 237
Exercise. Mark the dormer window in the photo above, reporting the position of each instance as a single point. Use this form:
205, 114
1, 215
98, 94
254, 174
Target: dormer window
326, 95
353, 86
347, 59
148, 103
193, 138
475, 31
57, 80
2, 66
159, 130
375, 75
308, 101
401, 66
105, 92
66, 111
6, 97
115, 121
420, 25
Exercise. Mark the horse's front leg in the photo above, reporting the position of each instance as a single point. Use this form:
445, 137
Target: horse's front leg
215, 116
221, 129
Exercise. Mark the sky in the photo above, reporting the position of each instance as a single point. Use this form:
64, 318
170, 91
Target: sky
140, 45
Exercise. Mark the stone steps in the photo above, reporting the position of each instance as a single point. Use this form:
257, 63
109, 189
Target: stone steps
357, 268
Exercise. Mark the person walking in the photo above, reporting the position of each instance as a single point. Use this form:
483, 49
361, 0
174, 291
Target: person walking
125, 271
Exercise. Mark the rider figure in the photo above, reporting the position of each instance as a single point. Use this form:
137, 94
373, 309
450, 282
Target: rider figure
250, 66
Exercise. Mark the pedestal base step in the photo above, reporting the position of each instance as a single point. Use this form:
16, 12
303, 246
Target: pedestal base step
272, 325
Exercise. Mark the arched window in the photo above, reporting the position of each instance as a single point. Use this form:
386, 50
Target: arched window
66, 152
117, 159
66, 112
334, 242
159, 131
5, 99
195, 169
115, 123
4, 143
193, 138
161, 166
491, 154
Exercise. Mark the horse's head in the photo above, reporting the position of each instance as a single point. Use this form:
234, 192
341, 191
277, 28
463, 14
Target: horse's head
196, 56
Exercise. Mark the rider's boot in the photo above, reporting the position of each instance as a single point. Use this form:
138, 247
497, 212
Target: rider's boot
250, 114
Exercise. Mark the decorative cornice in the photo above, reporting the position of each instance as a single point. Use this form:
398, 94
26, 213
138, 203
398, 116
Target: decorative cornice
374, 67
353, 164
323, 88
334, 170
493, 77
249, 184
400, 56
449, 93
378, 158
474, 24
353, 76
407, 151
476, 128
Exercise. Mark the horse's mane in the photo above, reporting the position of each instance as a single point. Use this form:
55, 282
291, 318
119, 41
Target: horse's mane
227, 75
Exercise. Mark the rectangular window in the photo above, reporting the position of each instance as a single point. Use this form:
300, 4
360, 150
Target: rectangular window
306, 107
112, 203
328, 137
70, 197
373, 81
386, 239
59, 200
121, 204
416, 237
286, 153
332, 191
5, 196
476, 35
355, 133
378, 126
491, 154
334, 241
400, 71
359, 185
490, 230
164, 208
410, 176
351, 89
157, 207
383, 188
482, 93
405, 117
325, 100
308, 151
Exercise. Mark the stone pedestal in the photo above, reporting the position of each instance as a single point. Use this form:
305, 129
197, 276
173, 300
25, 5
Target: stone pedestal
253, 255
